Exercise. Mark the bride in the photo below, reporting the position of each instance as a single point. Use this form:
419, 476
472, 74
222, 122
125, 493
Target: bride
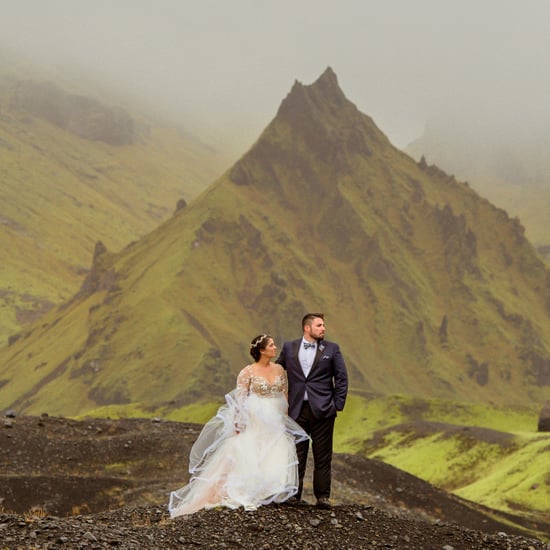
245, 455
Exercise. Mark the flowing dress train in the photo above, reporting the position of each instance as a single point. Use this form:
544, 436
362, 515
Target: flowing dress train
245, 455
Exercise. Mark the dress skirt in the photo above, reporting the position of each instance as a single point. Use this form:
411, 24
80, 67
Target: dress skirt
244, 456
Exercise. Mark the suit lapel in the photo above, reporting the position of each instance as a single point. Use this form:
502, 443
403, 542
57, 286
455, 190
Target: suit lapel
321, 346
295, 351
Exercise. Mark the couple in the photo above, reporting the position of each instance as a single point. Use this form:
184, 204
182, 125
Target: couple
252, 452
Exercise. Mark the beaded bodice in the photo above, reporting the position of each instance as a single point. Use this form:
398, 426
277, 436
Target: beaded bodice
248, 383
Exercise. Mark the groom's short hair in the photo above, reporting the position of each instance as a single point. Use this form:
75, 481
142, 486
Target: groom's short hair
308, 318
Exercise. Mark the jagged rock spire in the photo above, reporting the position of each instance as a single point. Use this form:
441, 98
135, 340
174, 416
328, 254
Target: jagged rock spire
329, 128
320, 95
327, 83
102, 275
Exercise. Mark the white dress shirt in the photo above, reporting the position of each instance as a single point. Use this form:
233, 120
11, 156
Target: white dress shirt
306, 358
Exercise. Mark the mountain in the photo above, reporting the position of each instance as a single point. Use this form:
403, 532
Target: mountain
77, 170
430, 289
510, 167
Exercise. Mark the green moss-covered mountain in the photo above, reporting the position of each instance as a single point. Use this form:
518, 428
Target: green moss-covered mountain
430, 290
75, 170
511, 168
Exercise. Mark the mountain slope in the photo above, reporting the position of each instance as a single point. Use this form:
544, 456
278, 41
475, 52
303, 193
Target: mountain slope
430, 290
75, 171
511, 168
491, 455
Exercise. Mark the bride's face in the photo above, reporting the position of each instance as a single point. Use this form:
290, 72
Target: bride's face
270, 349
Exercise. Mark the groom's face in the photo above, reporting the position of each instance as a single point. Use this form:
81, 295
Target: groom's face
316, 329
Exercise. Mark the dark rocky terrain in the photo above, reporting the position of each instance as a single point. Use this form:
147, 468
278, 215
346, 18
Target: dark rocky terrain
104, 483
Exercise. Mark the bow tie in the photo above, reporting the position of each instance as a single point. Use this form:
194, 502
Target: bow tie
307, 345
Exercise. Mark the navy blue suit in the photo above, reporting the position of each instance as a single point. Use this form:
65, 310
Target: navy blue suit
327, 387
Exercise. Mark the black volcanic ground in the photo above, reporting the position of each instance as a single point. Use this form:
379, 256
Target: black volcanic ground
104, 484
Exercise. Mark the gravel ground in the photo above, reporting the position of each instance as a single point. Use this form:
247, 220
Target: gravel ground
102, 483
270, 527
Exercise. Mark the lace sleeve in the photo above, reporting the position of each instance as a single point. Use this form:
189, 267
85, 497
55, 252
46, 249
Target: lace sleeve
242, 391
284, 384
243, 382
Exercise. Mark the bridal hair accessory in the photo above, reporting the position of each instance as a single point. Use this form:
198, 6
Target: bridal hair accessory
257, 341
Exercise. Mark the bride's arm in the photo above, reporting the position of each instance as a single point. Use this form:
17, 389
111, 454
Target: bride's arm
242, 390
284, 376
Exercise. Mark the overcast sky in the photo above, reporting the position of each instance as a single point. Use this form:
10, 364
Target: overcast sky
231, 62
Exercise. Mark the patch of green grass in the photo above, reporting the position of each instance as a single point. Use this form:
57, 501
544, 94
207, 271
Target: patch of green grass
509, 419
506, 469
198, 413
360, 418
133, 410
364, 415
519, 481
427, 458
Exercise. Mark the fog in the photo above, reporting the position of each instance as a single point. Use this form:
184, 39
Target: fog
226, 65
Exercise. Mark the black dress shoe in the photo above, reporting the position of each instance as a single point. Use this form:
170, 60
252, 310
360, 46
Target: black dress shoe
323, 503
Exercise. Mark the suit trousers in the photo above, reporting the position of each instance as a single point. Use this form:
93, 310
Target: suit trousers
320, 431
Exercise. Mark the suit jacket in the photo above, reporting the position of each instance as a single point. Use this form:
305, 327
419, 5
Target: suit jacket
326, 383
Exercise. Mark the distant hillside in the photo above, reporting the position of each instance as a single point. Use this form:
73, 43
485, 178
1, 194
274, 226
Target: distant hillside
431, 290
75, 170
511, 168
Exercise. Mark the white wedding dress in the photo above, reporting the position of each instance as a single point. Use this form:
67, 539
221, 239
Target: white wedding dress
245, 455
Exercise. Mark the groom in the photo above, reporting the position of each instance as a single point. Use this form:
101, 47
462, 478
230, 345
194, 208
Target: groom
317, 389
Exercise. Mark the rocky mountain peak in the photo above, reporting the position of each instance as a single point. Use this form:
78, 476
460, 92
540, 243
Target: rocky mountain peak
316, 125
325, 87
327, 83
323, 96
322, 114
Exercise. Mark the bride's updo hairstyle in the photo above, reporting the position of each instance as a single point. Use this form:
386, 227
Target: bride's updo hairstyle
258, 344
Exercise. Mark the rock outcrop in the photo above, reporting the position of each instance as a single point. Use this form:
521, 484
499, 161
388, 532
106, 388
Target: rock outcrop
544, 419
102, 275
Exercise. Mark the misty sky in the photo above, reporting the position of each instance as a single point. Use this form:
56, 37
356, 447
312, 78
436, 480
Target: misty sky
229, 63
